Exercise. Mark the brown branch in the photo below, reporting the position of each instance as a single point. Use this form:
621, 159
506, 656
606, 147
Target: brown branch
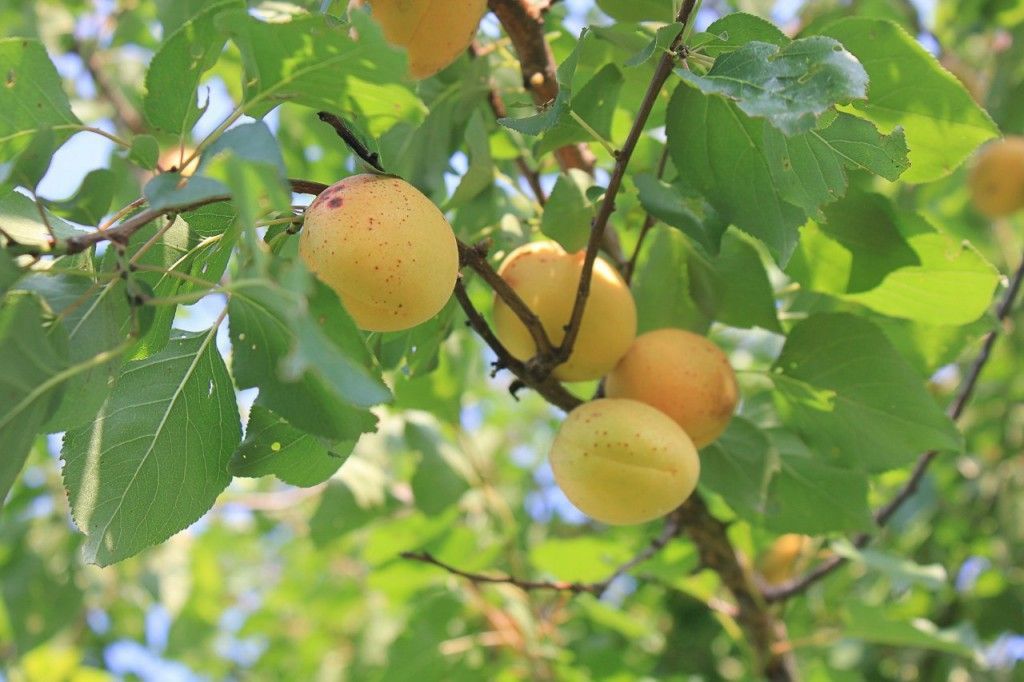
597, 230
764, 631
353, 142
124, 111
885, 513
672, 529
524, 23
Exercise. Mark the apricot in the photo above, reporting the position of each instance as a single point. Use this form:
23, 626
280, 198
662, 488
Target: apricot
684, 375
384, 247
546, 278
433, 32
997, 178
623, 462
784, 557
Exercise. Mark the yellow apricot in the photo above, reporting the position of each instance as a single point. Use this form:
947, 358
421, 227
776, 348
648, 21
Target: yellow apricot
623, 462
546, 278
384, 247
997, 178
434, 32
684, 375
783, 558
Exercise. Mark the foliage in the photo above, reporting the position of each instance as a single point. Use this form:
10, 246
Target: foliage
207, 468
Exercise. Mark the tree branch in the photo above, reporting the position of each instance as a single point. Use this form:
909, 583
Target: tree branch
763, 629
124, 111
672, 529
353, 142
661, 75
885, 513
524, 24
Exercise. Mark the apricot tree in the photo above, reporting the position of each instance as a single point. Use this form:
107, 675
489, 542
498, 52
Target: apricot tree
397, 339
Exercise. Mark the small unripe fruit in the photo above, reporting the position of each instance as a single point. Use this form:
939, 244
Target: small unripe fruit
623, 462
997, 178
546, 278
684, 375
433, 32
385, 249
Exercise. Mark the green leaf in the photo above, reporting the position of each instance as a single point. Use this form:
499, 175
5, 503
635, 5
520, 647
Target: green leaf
637, 10
305, 355
841, 384
807, 495
735, 30
339, 513
862, 147
909, 88
94, 317
156, 457
31, 164
744, 293
145, 151
673, 205
314, 61
662, 40
568, 213
170, 190
273, 447
902, 571
9, 272
662, 285
435, 485
32, 97
91, 201
20, 218
557, 110
874, 624
594, 103
738, 467
893, 263
480, 174
582, 559
723, 153
790, 86
31, 378
174, 74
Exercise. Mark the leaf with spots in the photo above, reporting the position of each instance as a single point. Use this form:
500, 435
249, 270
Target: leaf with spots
272, 446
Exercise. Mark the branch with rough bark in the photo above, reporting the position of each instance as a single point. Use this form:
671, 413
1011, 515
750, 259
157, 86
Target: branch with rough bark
524, 23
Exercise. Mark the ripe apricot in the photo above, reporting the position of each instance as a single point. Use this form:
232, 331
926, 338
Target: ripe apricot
434, 32
384, 247
623, 462
684, 375
997, 178
546, 278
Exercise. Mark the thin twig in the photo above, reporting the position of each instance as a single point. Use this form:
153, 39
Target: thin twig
885, 513
597, 230
354, 143
672, 529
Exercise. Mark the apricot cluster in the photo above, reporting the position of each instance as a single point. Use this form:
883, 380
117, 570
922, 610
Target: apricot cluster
632, 456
